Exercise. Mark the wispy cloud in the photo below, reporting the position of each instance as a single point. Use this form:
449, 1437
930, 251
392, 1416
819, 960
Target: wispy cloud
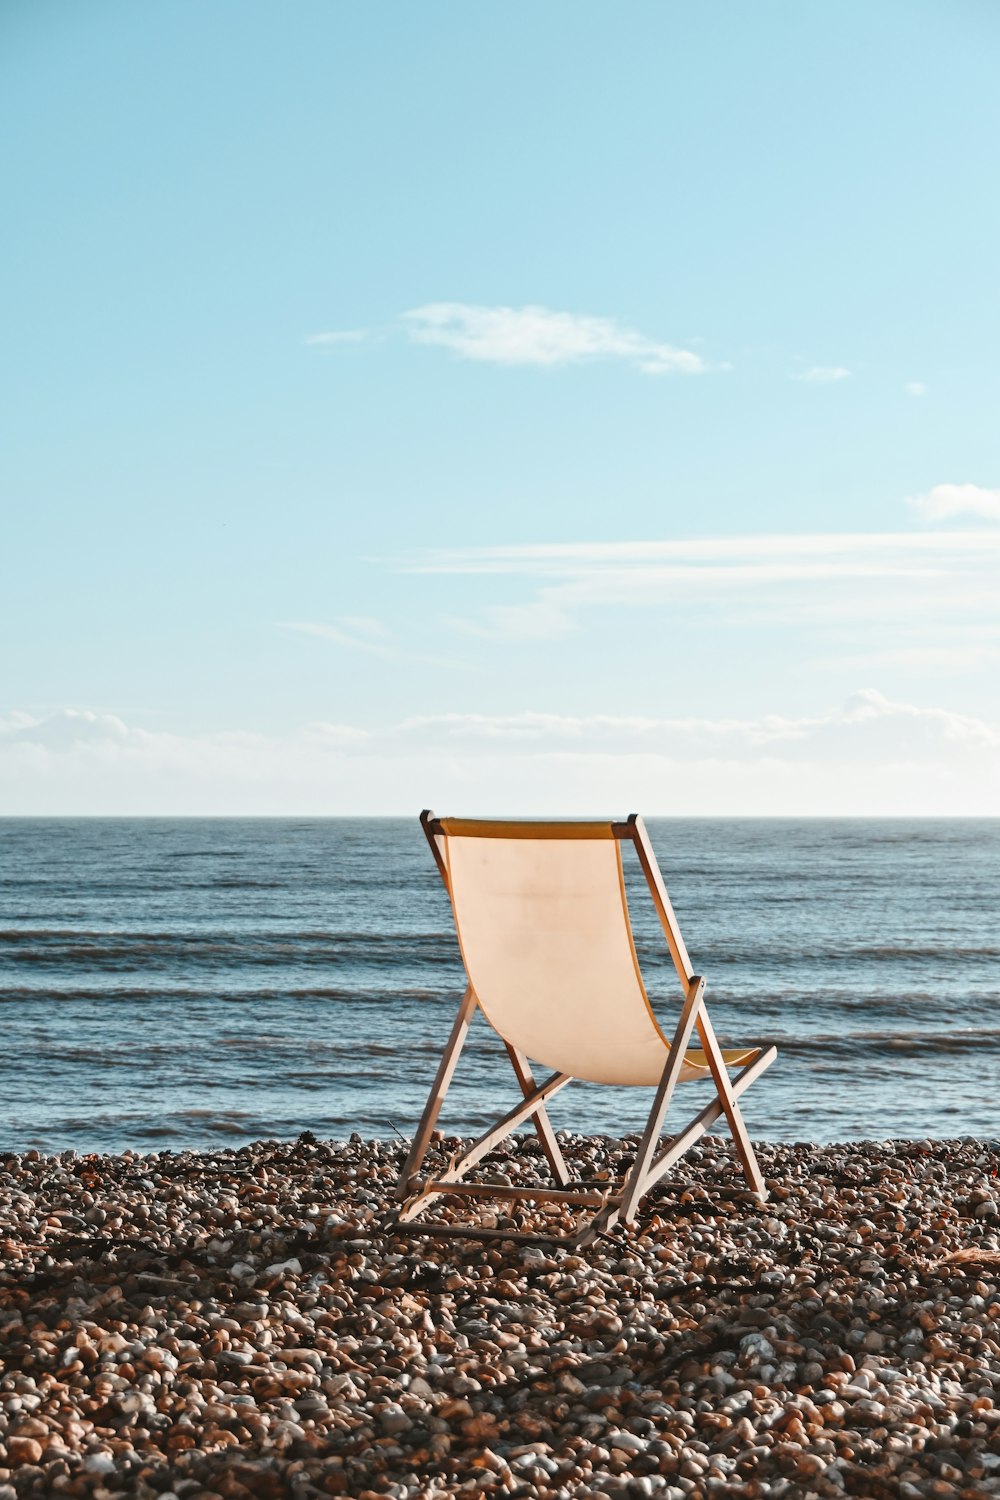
539, 336
362, 633
840, 579
946, 501
953, 658
823, 374
537, 620
338, 336
915, 388
359, 632
856, 550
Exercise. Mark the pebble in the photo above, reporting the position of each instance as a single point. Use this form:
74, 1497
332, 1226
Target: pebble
212, 1326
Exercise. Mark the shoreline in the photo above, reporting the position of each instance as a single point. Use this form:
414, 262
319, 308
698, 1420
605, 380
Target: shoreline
247, 1321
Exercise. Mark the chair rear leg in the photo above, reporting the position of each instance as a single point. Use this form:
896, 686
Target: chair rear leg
540, 1118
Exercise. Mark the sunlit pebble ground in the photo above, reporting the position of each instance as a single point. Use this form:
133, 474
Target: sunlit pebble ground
247, 1323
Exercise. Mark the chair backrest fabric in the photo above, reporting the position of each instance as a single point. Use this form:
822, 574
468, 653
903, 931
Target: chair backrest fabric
544, 930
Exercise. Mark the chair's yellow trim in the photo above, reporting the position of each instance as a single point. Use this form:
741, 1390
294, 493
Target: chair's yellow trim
499, 828
733, 1057
461, 944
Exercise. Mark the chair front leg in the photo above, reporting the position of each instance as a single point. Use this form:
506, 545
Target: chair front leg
432, 1109
637, 1181
733, 1113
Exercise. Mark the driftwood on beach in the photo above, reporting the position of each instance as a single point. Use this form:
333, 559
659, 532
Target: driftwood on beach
252, 1323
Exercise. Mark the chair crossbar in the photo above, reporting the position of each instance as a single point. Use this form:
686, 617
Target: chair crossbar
431, 1229
499, 1132
513, 1194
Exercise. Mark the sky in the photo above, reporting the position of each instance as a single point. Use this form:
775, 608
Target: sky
501, 408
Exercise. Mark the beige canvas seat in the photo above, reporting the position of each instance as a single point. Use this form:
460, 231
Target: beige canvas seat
544, 930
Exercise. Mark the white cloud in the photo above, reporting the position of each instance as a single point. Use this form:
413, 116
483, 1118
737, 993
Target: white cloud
338, 336
915, 388
946, 501
539, 336
871, 756
66, 728
823, 374
337, 736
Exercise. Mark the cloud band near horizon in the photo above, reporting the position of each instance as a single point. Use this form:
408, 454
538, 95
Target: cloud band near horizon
872, 756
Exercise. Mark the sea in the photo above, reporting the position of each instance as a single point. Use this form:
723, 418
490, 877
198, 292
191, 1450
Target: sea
201, 983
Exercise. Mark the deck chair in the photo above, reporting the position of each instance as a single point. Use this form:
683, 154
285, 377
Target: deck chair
544, 931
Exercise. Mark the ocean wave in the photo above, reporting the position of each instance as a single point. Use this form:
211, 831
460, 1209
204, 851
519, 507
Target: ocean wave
395, 994
240, 950
125, 952
876, 1043
780, 953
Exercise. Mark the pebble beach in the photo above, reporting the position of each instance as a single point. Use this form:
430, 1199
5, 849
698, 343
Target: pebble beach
251, 1322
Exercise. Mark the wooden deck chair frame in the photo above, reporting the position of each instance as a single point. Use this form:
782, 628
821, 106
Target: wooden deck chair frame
610, 1206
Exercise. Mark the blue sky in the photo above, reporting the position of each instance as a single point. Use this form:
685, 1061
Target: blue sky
559, 408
